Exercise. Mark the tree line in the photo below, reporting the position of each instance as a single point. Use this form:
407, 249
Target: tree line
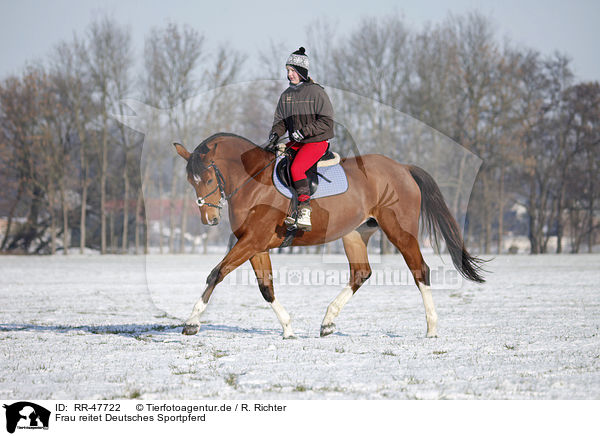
75, 177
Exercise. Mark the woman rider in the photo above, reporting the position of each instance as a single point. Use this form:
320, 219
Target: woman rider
305, 112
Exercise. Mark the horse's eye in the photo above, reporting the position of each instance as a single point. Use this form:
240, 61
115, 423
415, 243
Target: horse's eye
209, 182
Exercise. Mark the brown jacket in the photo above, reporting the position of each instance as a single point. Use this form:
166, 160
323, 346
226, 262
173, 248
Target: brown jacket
305, 107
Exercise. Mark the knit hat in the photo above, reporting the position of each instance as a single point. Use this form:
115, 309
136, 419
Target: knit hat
299, 62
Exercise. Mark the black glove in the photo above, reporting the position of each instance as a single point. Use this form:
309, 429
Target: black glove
272, 143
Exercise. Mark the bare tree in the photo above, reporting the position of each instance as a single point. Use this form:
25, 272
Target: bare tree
72, 83
172, 56
21, 100
581, 164
108, 61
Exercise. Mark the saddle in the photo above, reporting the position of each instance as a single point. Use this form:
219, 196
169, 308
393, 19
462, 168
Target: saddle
282, 170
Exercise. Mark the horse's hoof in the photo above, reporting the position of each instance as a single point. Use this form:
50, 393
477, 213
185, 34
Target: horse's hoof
328, 329
189, 329
432, 335
292, 336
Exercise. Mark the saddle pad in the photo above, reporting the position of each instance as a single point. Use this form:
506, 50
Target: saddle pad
335, 173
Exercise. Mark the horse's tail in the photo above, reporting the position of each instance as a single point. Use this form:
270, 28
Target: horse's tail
437, 219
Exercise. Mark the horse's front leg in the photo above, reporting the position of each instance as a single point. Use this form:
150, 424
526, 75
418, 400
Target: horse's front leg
240, 253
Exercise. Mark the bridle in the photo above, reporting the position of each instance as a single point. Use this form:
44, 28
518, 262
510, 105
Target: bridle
201, 201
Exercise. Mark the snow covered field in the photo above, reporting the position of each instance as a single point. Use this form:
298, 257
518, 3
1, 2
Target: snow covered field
107, 327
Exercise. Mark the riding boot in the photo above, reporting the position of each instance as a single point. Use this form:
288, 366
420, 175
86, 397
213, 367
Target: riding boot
304, 211
302, 215
303, 190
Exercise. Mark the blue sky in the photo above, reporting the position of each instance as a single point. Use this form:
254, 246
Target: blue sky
30, 28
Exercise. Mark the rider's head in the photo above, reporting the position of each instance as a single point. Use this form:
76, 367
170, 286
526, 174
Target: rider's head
297, 63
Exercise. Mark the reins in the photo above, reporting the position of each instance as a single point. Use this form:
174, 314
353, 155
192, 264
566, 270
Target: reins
201, 201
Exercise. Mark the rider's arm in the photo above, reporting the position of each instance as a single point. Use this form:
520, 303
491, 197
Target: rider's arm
323, 122
279, 119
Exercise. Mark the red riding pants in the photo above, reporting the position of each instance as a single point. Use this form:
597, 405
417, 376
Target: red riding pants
308, 154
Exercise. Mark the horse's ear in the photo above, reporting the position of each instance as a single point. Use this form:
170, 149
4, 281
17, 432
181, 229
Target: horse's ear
181, 151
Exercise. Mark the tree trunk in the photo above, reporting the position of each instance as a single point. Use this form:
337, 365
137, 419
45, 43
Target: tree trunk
138, 220
183, 227
501, 209
140, 212
51, 204
31, 226
124, 240
531, 210
174, 179
459, 182
11, 215
160, 215
487, 217
82, 224
111, 234
103, 170
65, 212
559, 219
591, 224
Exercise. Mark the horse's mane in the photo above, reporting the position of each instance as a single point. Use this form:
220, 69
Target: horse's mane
211, 137
195, 165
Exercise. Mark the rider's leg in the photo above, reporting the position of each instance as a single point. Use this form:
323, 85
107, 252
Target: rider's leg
308, 155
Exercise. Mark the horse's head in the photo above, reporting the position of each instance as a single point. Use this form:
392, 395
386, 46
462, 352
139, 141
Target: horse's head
207, 180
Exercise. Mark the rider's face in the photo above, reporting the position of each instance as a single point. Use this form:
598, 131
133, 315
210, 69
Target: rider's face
293, 76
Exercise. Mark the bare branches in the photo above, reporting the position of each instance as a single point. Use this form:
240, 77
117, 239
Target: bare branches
535, 128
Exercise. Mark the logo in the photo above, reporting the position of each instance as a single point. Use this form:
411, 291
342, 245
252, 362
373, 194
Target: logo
24, 415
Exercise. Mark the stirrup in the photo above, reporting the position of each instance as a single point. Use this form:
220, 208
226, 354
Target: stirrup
290, 221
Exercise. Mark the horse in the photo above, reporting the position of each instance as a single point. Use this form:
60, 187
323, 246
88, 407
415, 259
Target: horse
382, 194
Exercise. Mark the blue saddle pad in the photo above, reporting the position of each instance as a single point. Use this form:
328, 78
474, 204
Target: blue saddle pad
335, 173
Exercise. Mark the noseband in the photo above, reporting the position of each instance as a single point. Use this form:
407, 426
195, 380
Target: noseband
201, 201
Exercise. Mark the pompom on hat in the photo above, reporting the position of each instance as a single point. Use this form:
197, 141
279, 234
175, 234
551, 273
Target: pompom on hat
299, 62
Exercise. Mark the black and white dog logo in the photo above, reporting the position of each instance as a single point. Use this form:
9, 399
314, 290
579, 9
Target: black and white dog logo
25, 415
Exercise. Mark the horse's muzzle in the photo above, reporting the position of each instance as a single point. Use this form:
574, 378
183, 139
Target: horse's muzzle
213, 222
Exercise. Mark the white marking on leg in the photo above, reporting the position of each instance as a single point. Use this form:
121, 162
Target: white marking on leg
194, 318
284, 319
336, 306
430, 314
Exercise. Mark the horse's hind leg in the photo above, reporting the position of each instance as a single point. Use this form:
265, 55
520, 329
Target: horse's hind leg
261, 262
355, 245
407, 243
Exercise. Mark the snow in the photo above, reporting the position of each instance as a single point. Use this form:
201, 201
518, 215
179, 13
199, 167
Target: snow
108, 327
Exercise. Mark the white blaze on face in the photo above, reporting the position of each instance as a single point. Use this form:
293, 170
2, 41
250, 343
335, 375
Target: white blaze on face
25, 412
197, 180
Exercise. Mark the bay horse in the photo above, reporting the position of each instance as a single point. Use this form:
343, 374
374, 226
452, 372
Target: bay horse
382, 193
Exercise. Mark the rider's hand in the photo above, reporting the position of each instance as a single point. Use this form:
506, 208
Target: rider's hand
297, 136
272, 143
